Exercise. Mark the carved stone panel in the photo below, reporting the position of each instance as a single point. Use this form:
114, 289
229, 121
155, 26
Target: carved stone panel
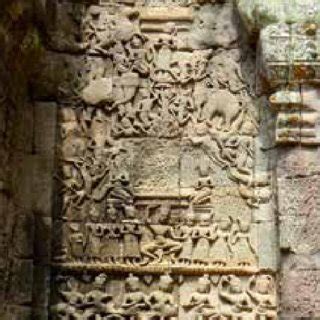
146, 297
159, 166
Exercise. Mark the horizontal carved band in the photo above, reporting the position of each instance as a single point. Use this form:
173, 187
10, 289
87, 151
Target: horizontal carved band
181, 270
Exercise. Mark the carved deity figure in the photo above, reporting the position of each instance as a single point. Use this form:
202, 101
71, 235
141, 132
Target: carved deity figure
184, 233
137, 54
134, 300
231, 291
261, 289
98, 301
201, 302
182, 106
161, 301
220, 250
163, 243
111, 249
243, 252
162, 53
73, 301
76, 241
202, 235
98, 30
144, 108
205, 184
131, 233
94, 239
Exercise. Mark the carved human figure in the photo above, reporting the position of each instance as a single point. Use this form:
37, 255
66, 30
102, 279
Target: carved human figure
201, 302
161, 301
205, 184
220, 251
125, 88
94, 238
165, 44
210, 141
137, 54
120, 192
97, 301
184, 233
73, 301
249, 131
182, 106
144, 108
200, 61
261, 289
162, 244
112, 214
98, 29
92, 172
76, 241
134, 300
231, 290
111, 249
243, 252
131, 233
202, 235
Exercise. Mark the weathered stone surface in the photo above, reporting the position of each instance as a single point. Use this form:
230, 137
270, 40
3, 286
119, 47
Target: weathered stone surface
154, 166
20, 285
161, 163
16, 312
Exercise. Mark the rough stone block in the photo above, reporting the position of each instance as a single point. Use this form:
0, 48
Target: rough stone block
42, 239
267, 247
21, 282
41, 287
45, 134
16, 312
23, 236
22, 129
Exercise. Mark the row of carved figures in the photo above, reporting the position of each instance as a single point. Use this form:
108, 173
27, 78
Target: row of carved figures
229, 297
224, 243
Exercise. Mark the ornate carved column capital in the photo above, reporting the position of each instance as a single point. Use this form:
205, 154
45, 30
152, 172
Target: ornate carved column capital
289, 63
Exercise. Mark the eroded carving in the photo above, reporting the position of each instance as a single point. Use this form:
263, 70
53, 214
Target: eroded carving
157, 169
132, 298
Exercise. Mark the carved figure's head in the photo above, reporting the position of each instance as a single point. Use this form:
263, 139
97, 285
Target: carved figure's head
100, 281
132, 283
264, 284
166, 283
235, 285
204, 284
190, 218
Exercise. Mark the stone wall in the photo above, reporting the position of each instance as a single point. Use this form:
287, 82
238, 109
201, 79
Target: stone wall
164, 192
159, 159
27, 129
289, 63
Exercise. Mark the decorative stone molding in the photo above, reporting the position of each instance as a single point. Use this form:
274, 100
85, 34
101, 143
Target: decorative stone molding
289, 62
289, 68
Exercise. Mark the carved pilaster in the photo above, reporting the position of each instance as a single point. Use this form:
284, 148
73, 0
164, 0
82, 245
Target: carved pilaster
289, 67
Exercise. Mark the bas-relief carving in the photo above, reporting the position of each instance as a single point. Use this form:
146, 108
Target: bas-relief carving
157, 154
164, 297
196, 241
